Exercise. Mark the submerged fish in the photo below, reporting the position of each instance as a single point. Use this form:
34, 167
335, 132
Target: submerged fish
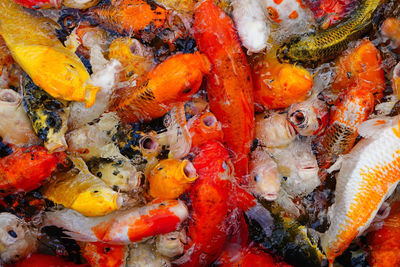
324, 45
35, 47
368, 175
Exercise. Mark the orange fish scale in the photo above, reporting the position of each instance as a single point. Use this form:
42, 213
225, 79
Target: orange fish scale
375, 183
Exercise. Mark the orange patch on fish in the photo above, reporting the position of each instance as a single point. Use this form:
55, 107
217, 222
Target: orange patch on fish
274, 14
278, 1
396, 131
294, 15
301, 3
375, 183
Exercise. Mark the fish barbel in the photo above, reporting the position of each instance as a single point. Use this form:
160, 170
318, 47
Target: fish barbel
368, 175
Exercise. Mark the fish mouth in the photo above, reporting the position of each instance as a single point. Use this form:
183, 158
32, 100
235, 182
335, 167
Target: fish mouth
189, 171
270, 196
148, 144
10, 97
209, 121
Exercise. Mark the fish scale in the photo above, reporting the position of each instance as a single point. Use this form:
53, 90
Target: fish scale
368, 175
326, 44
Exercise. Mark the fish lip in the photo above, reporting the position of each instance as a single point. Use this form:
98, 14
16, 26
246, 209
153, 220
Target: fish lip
148, 144
270, 196
209, 121
188, 170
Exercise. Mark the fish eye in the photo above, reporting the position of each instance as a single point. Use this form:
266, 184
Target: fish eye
159, 168
69, 22
186, 90
224, 165
12, 233
95, 191
107, 249
256, 177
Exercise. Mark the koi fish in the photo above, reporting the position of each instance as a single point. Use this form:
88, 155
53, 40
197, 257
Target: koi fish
250, 22
310, 117
104, 255
83, 192
390, 29
384, 245
229, 86
134, 63
329, 12
203, 128
40, 260
173, 81
274, 130
360, 66
278, 85
26, 169
352, 109
16, 238
43, 57
131, 16
285, 12
121, 227
264, 173
369, 172
325, 44
170, 178
48, 115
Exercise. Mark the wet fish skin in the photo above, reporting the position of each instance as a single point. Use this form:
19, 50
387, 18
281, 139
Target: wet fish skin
324, 45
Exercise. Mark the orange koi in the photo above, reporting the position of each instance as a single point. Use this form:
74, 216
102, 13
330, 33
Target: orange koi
204, 127
351, 110
384, 243
121, 227
360, 66
229, 87
279, 85
104, 255
391, 29
41, 260
368, 175
170, 178
131, 16
173, 81
27, 168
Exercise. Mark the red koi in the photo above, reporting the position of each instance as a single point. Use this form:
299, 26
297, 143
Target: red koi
41, 260
104, 255
26, 168
229, 86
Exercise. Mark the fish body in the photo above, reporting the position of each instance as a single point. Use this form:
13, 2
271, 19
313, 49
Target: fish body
339, 138
285, 12
368, 175
27, 168
100, 254
170, 178
173, 81
250, 22
15, 126
396, 79
325, 44
131, 16
40, 260
279, 85
211, 202
384, 243
133, 64
203, 128
48, 115
16, 238
360, 66
121, 227
83, 192
229, 86
43, 57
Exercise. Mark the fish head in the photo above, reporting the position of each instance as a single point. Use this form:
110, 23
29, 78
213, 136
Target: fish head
16, 240
97, 201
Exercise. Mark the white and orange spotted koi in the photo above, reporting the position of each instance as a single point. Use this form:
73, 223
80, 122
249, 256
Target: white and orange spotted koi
368, 175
